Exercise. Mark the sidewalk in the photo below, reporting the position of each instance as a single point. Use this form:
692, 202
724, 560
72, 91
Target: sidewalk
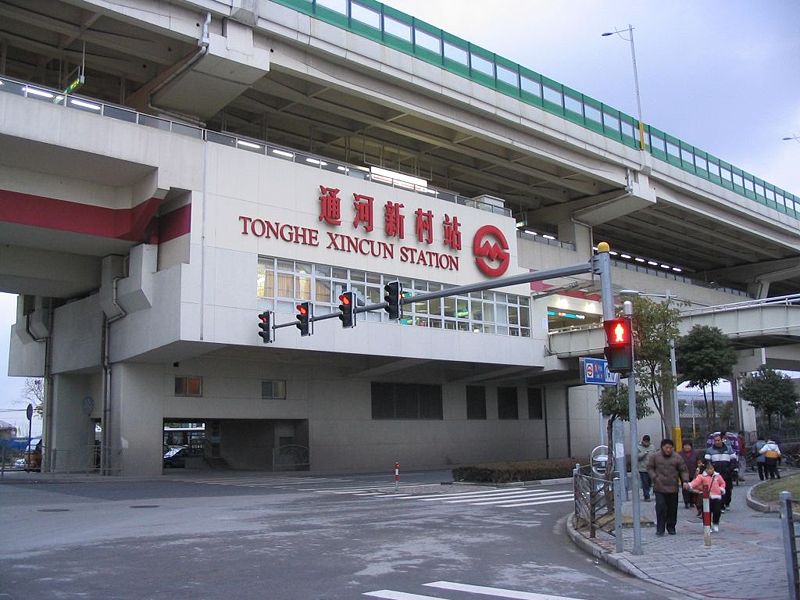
744, 562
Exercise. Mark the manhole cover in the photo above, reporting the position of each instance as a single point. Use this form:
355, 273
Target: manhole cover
53, 510
145, 506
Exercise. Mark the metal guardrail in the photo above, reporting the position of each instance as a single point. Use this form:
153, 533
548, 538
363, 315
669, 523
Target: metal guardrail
412, 36
121, 113
594, 501
790, 535
789, 300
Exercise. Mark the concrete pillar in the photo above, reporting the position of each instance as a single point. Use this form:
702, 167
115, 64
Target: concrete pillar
578, 234
558, 434
70, 447
137, 419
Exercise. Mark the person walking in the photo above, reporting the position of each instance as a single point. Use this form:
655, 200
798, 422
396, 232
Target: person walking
666, 469
721, 454
689, 456
644, 450
761, 460
716, 487
771, 453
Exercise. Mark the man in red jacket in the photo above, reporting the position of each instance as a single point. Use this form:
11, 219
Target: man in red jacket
668, 472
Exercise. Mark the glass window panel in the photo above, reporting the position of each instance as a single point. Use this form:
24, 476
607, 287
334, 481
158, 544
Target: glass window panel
285, 285
525, 332
322, 270
593, 114
502, 330
770, 194
286, 265
726, 174
483, 65
687, 156
627, 129
463, 326
365, 15
450, 325
672, 150
374, 278
507, 405
180, 386
304, 268
304, 288
713, 168
430, 401
397, 28
488, 312
406, 403
748, 185
506, 75
738, 180
700, 162
323, 291
421, 307
573, 104
435, 323
513, 315
531, 86
339, 273
455, 53
523, 316
476, 402
610, 121
194, 386
535, 404
423, 39
374, 295
760, 190
382, 400
435, 306
358, 276
450, 307
658, 143
477, 311
552, 95
462, 308
339, 6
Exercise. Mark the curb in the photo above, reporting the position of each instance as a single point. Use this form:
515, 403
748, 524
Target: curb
621, 563
758, 505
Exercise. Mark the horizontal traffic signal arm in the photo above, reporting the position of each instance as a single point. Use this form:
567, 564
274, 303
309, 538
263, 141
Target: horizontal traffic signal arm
587, 267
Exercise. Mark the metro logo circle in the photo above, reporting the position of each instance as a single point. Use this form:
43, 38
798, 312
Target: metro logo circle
490, 248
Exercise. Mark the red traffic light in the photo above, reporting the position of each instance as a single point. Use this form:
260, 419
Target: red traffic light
618, 332
302, 309
344, 299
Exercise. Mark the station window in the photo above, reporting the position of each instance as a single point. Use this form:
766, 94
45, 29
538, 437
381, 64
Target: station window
507, 405
406, 401
281, 283
273, 390
476, 402
188, 386
535, 404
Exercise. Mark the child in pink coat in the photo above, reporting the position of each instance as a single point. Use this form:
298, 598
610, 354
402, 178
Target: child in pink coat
716, 486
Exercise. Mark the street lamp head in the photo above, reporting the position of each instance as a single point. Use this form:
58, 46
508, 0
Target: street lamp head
607, 33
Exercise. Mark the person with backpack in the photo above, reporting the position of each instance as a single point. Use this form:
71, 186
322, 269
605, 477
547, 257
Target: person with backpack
771, 453
716, 487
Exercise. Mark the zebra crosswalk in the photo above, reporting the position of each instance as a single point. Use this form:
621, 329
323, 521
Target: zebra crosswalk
479, 590
262, 481
502, 498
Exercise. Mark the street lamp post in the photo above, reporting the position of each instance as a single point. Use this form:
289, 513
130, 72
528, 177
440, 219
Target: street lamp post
635, 77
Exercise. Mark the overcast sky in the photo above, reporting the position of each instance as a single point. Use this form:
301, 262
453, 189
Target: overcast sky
721, 75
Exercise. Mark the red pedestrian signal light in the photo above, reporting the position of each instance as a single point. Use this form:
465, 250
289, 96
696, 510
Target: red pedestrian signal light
347, 309
619, 345
265, 325
392, 294
303, 317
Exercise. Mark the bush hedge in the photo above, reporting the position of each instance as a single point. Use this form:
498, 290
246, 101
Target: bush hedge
525, 470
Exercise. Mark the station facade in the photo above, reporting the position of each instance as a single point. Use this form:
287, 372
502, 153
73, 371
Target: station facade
144, 247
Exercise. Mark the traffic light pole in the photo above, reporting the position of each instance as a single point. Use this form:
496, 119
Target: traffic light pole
633, 420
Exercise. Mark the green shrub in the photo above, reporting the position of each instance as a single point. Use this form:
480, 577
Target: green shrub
525, 470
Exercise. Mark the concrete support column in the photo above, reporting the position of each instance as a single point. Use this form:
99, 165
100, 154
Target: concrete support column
137, 393
557, 401
70, 447
747, 362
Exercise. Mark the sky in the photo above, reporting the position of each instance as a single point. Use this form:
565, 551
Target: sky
721, 75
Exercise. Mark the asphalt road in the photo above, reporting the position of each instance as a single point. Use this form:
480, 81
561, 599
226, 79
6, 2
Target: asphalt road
237, 535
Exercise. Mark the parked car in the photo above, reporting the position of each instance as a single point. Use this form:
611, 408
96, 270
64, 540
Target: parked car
20, 463
175, 456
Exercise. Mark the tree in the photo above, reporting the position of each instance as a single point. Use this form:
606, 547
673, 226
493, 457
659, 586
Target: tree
705, 356
770, 392
33, 393
655, 325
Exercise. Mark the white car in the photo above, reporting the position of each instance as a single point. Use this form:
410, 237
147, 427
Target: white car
20, 463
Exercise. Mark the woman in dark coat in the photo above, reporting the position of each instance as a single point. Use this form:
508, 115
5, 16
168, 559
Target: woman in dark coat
689, 456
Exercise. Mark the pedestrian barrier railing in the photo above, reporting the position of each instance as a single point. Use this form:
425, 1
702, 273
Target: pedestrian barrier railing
594, 501
790, 535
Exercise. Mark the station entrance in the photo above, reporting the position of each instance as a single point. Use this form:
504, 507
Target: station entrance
237, 444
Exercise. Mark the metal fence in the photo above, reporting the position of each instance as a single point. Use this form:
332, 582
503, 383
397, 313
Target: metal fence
594, 501
790, 535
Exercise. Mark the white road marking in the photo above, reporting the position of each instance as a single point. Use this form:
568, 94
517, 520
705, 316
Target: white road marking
542, 497
540, 502
392, 595
491, 591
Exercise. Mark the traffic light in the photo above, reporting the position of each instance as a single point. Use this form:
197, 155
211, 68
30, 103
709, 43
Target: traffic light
265, 325
347, 309
619, 348
392, 293
304, 318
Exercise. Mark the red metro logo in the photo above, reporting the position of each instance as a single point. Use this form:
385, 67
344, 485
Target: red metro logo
490, 248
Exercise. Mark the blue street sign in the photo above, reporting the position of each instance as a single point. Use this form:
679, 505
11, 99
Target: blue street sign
595, 371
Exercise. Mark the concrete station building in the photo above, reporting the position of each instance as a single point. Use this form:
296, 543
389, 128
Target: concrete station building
224, 157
